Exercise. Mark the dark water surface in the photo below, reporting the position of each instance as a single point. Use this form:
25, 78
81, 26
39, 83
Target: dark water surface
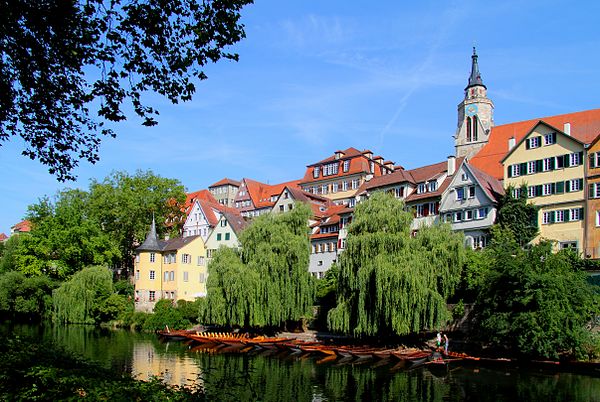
281, 377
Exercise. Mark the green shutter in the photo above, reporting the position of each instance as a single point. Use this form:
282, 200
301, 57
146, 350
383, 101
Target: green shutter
591, 191
567, 215
566, 161
560, 187
523, 169
553, 188
581, 157
567, 186
509, 171
552, 216
592, 158
581, 183
539, 165
554, 138
527, 143
552, 163
538, 190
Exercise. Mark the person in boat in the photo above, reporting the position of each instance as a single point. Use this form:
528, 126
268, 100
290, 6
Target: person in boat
438, 340
446, 344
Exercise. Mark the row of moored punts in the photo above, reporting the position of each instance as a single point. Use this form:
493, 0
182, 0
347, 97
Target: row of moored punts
405, 358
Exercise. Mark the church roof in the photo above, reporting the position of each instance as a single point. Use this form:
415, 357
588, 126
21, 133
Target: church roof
475, 77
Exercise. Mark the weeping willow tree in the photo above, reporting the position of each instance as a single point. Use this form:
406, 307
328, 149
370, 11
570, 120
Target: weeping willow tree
390, 282
267, 283
79, 299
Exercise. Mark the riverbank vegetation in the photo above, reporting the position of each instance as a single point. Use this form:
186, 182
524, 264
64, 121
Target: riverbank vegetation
524, 300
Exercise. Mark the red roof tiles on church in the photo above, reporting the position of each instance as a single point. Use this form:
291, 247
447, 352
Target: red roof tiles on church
585, 127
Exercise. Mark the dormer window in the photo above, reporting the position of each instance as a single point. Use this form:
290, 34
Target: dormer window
346, 166
421, 188
316, 172
534, 142
432, 186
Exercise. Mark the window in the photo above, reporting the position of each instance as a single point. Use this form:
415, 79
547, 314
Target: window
597, 218
547, 189
172, 276
334, 187
465, 177
355, 184
152, 257
559, 162
530, 191
137, 258
482, 213
346, 165
420, 210
595, 160
166, 276
594, 190
471, 191
372, 167
468, 215
186, 258
218, 236
324, 189
137, 275
399, 192
514, 170
209, 253
547, 217
316, 172
574, 185
458, 216
152, 275
533, 142
550, 139
185, 276
201, 261
152, 295
320, 263
227, 236
516, 192
547, 165
421, 188
531, 167
479, 241
460, 193
345, 185
432, 208
202, 277
224, 222
574, 159
568, 245
575, 214
281, 208
559, 216
432, 186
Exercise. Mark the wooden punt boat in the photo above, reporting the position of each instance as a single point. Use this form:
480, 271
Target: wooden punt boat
327, 359
174, 335
384, 354
321, 349
346, 351
411, 354
363, 353
265, 341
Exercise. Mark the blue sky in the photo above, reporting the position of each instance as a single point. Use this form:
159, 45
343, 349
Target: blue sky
317, 76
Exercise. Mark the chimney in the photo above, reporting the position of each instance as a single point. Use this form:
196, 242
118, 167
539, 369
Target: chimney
567, 129
511, 143
451, 165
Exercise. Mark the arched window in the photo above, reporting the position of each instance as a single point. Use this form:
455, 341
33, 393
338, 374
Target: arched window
469, 129
474, 131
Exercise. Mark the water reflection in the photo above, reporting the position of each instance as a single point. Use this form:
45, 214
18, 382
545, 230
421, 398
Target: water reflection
278, 376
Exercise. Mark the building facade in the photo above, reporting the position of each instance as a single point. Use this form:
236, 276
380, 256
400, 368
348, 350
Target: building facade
225, 191
226, 233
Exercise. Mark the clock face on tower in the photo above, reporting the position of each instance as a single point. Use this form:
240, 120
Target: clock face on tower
471, 110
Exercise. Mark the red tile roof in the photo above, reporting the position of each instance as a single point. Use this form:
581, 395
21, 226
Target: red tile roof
224, 182
23, 226
3, 237
198, 195
490, 185
585, 127
359, 163
261, 193
323, 235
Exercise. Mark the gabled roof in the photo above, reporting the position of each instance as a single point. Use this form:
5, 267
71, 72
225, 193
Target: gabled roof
236, 222
347, 154
585, 127
261, 193
397, 177
23, 226
431, 172
490, 185
224, 182
317, 203
539, 123
177, 243
198, 195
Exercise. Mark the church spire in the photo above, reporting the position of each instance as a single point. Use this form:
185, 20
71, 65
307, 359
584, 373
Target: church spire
475, 77
151, 242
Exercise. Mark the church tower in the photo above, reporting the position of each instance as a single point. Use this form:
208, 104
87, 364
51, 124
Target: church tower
475, 115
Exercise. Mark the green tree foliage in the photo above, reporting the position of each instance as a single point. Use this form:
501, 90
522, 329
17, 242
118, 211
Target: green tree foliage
9, 253
268, 283
82, 299
533, 301
69, 67
516, 215
166, 314
24, 297
123, 206
390, 282
64, 238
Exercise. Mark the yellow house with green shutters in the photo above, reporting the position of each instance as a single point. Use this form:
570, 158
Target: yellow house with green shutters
551, 164
172, 269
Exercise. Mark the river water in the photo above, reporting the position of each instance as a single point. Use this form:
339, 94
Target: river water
282, 377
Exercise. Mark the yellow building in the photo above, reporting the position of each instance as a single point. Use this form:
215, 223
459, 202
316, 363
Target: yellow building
169, 269
592, 229
551, 164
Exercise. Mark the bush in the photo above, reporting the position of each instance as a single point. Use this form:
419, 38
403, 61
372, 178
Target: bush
166, 314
